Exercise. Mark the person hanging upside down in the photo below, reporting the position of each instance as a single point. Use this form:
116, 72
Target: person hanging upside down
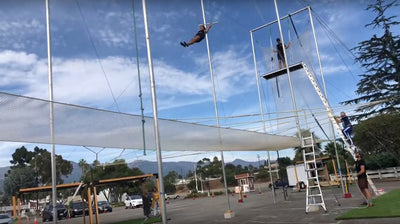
199, 35
280, 53
347, 127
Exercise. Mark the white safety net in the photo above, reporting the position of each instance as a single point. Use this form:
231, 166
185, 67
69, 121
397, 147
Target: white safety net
26, 119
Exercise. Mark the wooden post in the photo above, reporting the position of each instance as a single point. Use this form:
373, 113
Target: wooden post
90, 205
83, 216
96, 205
334, 168
19, 211
14, 207
349, 174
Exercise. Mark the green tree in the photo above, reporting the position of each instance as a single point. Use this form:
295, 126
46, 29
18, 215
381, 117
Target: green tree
21, 177
169, 181
21, 157
116, 169
380, 57
379, 135
41, 163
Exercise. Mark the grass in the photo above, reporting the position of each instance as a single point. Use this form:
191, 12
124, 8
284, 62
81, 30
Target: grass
141, 221
385, 206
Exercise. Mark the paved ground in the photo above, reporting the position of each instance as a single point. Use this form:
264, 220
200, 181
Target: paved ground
256, 208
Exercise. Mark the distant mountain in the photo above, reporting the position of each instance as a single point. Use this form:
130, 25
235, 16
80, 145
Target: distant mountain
145, 166
181, 167
243, 163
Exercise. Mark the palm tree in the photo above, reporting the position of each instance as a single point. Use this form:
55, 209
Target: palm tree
84, 166
298, 150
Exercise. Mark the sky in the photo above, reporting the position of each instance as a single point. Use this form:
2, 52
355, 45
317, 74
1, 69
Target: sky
94, 61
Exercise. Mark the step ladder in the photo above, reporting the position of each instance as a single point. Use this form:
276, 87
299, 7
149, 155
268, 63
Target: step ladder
314, 196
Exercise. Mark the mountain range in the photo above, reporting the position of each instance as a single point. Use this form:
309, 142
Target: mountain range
182, 168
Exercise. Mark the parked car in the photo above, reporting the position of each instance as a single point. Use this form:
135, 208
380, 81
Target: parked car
77, 208
104, 206
133, 201
5, 219
47, 214
172, 196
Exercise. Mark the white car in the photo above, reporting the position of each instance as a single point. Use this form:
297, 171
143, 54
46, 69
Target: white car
133, 201
5, 219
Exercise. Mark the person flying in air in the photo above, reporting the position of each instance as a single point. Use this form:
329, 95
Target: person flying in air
199, 35
280, 53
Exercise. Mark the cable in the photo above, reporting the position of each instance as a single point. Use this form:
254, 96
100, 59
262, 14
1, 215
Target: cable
97, 55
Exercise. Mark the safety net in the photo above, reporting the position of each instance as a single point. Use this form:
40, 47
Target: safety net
27, 119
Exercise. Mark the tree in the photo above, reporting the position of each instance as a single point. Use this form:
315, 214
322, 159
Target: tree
21, 177
41, 163
116, 169
169, 182
21, 157
380, 57
84, 166
379, 135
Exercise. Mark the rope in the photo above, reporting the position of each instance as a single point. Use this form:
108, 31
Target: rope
97, 55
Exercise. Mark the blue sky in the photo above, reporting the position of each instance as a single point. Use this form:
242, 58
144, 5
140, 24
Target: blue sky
94, 59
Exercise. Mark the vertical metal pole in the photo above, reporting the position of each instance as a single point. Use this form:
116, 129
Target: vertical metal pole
50, 73
262, 111
155, 115
288, 72
326, 97
195, 177
216, 109
139, 81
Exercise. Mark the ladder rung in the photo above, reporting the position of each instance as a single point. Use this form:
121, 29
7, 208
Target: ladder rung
314, 186
314, 195
309, 153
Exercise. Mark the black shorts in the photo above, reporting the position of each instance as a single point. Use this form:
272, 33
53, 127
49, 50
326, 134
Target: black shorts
362, 183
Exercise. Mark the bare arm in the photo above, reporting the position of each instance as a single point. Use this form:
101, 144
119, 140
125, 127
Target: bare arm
287, 46
209, 27
362, 170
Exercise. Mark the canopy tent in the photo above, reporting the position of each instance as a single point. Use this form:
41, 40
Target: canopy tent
26, 119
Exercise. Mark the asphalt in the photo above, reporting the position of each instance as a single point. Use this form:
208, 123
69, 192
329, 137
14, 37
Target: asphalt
260, 208
255, 208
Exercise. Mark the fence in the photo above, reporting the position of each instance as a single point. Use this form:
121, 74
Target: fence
391, 172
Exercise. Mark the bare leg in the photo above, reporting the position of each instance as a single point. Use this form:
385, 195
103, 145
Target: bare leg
280, 64
194, 40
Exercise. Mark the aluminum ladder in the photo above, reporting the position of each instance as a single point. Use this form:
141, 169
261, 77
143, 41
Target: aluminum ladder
350, 148
314, 196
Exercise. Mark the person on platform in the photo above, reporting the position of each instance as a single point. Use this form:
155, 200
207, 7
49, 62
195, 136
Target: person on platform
280, 52
199, 35
361, 169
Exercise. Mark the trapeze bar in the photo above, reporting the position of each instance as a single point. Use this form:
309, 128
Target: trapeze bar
283, 71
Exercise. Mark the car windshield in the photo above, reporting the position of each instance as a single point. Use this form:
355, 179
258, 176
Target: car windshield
4, 216
102, 203
136, 197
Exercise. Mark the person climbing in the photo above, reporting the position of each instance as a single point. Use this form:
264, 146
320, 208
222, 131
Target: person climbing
199, 35
280, 53
347, 127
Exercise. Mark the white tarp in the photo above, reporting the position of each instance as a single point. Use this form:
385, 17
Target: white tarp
25, 119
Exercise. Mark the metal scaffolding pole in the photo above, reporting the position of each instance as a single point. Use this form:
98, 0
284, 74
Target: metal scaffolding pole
262, 111
155, 114
216, 111
50, 74
326, 97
